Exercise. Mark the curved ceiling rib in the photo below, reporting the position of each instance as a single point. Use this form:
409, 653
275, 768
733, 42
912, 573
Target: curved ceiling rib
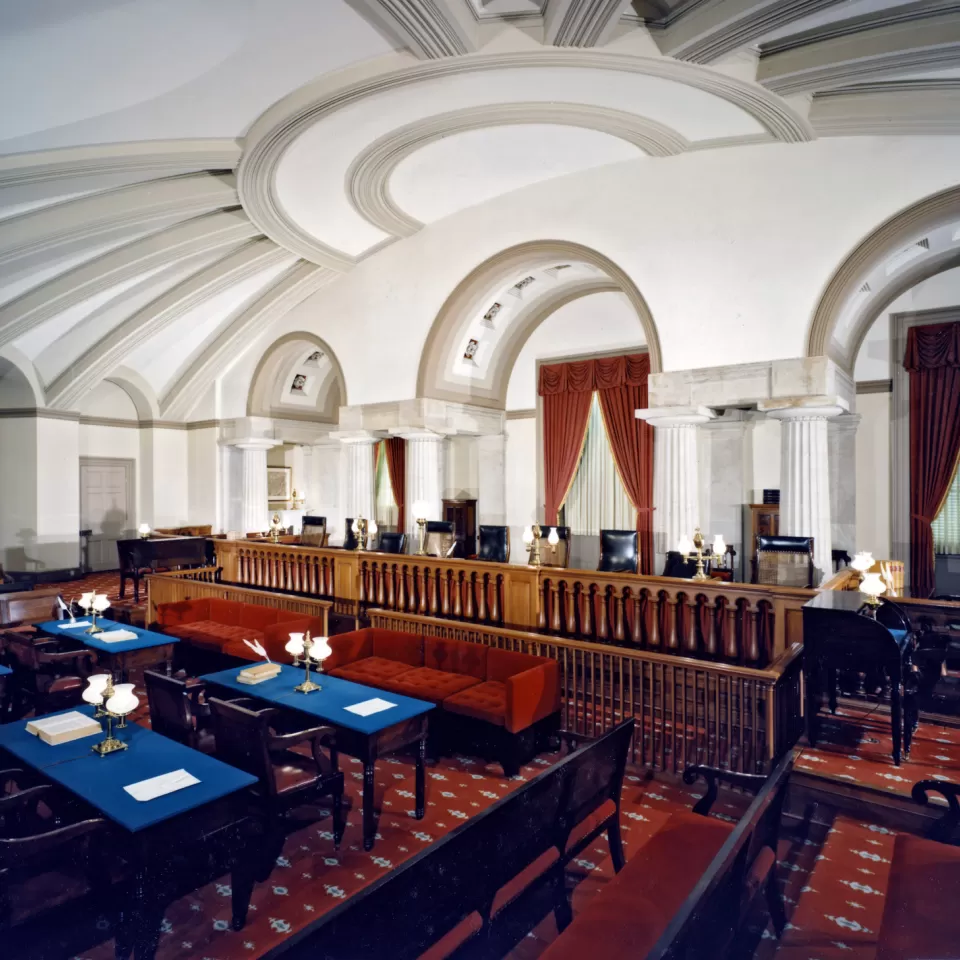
200, 371
368, 178
110, 351
581, 23
194, 236
131, 207
428, 28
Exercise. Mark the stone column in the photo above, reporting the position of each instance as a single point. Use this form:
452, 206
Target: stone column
492, 479
805, 473
426, 469
358, 478
255, 514
842, 457
676, 498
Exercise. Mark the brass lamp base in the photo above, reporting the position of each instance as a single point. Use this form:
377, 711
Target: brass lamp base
110, 745
872, 601
308, 686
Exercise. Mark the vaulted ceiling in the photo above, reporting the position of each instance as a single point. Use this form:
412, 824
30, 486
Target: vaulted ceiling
176, 176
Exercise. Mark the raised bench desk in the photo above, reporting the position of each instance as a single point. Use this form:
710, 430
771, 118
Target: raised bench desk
120, 656
365, 738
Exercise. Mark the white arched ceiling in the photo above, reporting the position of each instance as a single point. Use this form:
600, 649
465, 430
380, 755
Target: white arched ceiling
157, 214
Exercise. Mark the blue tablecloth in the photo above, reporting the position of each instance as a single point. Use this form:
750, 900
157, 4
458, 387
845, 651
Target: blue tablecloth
329, 703
145, 638
4, 671
100, 780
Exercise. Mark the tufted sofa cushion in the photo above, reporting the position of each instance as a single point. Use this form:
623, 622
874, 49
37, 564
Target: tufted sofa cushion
456, 656
425, 683
485, 701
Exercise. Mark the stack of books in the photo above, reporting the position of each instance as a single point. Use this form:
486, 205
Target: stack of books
259, 673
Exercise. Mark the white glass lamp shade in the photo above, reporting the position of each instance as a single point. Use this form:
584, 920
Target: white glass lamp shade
320, 649
143, 529
372, 527
123, 700
872, 585
862, 561
719, 547
528, 535
420, 509
553, 538
100, 602
685, 546
86, 600
355, 527
294, 645
93, 692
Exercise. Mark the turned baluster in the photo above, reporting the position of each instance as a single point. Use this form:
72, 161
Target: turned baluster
709, 625
603, 616
400, 575
690, 639
672, 642
731, 645
434, 589
653, 615
381, 577
444, 592
457, 595
363, 583
636, 631
619, 633
424, 584
554, 607
495, 608
586, 609
751, 645
388, 575
482, 586
570, 595
468, 586
542, 595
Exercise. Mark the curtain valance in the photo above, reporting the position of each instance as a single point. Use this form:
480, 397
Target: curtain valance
933, 345
585, 376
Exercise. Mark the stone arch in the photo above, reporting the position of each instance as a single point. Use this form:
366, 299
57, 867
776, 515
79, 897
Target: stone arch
139, 390
892, 235
20, 385
269, 386
493, 273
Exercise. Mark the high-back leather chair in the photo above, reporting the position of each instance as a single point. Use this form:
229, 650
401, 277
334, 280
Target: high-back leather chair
48, 675
391, 541
554, 555
494, 544
439, 540
618, 551
313, 531
676, 566
784, 561
176, 710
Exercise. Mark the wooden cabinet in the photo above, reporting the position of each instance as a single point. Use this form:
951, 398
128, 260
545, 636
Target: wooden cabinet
759, 520
463, 515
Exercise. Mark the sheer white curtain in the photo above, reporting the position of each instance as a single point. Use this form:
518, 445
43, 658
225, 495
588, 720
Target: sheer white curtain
597, 499
946, 528
386, 506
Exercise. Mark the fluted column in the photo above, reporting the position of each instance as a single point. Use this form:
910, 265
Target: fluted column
358, 476
426, 473
805, 476
253, 483
676, 491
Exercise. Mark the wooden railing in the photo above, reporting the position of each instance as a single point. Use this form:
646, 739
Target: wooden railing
687, 711
194, 584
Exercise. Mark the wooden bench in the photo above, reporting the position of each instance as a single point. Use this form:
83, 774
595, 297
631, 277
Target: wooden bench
474, 891
687, 890
920, 917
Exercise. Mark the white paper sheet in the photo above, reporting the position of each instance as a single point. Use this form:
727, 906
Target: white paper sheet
367, 707
161, 786
115, 636
74, 625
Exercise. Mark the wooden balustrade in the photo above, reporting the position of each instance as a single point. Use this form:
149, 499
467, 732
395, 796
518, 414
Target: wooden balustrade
740, 623
687, 710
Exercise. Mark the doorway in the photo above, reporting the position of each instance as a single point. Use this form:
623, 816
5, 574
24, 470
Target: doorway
107, 508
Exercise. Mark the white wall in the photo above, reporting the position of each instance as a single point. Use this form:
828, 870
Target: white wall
461, 480
18, 480
873, 474
765, 468
521, 475
203, 478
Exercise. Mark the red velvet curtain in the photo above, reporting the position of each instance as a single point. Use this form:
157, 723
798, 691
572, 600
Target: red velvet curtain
567, 390
396, 452
933, 359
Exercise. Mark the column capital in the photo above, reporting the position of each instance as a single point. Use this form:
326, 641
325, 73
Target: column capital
675, 416
804, 408
253, 443
420, 433
354, 436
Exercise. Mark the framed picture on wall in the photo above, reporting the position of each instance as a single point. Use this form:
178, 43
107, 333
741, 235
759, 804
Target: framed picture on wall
279, 484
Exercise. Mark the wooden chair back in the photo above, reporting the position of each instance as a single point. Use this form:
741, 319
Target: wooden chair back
440, 539
391, 541
784, 561
171, 707
313, 531
242, 736
29, 606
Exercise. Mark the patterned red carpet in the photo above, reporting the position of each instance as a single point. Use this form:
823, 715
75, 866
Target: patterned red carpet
108, 583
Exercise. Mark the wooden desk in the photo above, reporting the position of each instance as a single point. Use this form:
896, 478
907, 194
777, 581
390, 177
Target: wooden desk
154, 833
149, 554
366, 738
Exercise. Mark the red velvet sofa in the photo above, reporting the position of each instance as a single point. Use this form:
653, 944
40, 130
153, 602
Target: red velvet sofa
221, 626
496, 701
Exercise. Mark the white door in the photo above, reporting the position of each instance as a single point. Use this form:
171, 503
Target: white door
106, 508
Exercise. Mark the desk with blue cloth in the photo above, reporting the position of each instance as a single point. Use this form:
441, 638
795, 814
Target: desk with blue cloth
365, 737
4, 673
156, 836
118, 656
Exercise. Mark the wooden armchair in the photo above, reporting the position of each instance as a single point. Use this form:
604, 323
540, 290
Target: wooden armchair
177, 712
260, 741
48, 675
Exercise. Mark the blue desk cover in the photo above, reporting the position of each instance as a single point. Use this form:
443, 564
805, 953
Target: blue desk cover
145, 638
327, 704
4, 671
39, 755
100, 780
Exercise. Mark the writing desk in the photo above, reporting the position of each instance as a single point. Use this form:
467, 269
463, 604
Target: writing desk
366, 738
151, 834
121, 656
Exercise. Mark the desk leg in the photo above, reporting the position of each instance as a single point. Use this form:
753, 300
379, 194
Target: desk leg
813, 707
832, 680
896, 720
420, 788
369, 823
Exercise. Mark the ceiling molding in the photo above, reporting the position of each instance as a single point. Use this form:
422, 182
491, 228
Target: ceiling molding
705, 31
897, 107
892, 235
195, 236
581, 23
429, 29
368, 178
922, 36
280, 126
210, 361
135, 207
100, 360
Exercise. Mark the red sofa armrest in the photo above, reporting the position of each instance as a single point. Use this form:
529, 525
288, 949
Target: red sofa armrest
348, 647
276, 635
532, 695
183, 611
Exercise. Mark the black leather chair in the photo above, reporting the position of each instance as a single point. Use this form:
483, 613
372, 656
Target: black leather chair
439, 540
676, 566
313, 531
349, 537
784, 561
618, 551
392, 542
494, 544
